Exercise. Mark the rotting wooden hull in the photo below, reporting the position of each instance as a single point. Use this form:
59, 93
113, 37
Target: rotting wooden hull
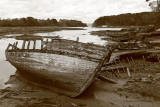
66, 74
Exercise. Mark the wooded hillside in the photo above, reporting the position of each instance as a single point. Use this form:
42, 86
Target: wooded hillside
30, 21
137, 19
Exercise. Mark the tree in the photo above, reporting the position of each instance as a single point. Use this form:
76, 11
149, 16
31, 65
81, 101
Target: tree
23, 22
155, 5
54, 22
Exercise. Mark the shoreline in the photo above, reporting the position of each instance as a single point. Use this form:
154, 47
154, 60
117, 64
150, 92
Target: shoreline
31, 30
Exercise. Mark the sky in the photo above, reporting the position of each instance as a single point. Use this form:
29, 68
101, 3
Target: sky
83, 10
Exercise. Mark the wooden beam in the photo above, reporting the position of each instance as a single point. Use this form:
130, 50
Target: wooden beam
24, 43
13, 47
77, 39
114, 68
103, 78
41, 44
34, 45
52, 41
47, 41
8, 46
16, 44
28, 44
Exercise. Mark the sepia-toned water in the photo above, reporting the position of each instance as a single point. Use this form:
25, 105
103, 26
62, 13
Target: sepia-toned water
6, 69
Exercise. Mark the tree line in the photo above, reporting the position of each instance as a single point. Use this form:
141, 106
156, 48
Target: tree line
136, 19
30, 21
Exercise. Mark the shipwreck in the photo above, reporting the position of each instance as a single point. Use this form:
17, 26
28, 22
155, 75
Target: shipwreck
65, 66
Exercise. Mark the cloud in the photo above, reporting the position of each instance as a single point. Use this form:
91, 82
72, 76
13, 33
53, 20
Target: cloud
85, 10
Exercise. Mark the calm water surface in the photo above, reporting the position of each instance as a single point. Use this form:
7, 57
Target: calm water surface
84, 35
6, 69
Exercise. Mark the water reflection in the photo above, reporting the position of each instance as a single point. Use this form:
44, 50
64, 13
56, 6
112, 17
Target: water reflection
6, 69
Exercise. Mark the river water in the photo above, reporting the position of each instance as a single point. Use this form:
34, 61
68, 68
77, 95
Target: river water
6, 69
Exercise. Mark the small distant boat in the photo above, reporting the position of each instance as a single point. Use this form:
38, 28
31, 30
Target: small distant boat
65, 66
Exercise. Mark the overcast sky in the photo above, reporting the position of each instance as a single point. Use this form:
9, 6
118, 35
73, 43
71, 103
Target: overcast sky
84, 10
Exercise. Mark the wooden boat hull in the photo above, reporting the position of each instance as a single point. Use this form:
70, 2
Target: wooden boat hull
70, 73
62, 72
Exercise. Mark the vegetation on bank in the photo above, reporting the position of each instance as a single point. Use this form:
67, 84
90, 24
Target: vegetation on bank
136, 19
30, 21
31, 30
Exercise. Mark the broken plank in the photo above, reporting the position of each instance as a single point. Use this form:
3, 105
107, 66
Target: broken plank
103, 78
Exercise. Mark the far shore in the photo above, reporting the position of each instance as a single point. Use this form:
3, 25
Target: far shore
31, 30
